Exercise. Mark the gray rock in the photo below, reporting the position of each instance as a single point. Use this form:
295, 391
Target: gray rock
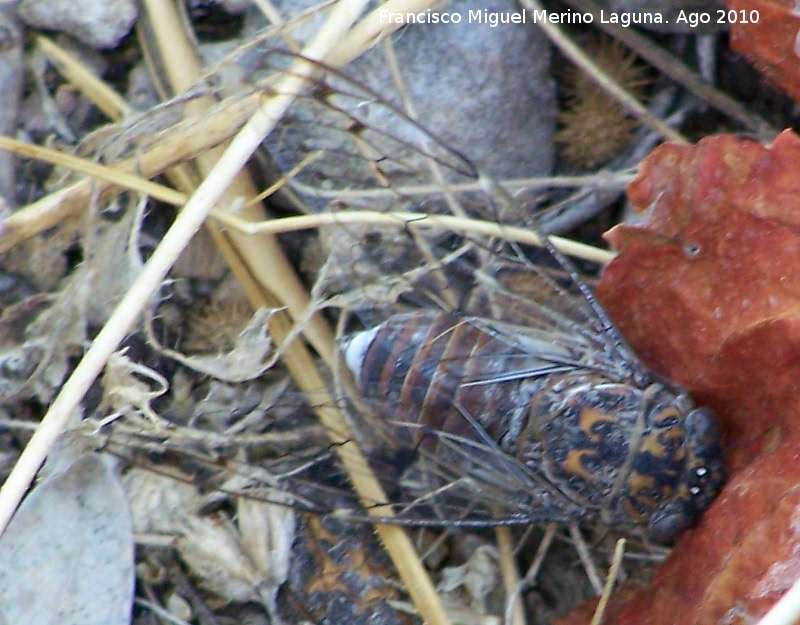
485, 90
236, 6
98, 23
12, 41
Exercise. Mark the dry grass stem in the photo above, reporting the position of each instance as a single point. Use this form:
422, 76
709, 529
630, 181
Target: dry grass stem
110, 175
176, 238
586, 558
177, 145
298, 361
464, 225
515, 612
198, 149
262, 255
613, 573
267, 264
372, 29
600, 180
541, 551
103, 96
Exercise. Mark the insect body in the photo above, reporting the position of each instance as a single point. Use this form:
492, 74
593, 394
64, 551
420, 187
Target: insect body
504, 392
490, 386
508, 395
526, 421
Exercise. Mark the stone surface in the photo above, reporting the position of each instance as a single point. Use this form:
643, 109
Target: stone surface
485, 90
98, 23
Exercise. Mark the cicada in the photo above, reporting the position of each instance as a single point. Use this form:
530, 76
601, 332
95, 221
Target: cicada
482, 378
542, 423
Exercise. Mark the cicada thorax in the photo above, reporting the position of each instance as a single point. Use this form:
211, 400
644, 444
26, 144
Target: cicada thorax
487, 403
618, 448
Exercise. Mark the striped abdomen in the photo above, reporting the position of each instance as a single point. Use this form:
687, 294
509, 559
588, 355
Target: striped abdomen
438, 370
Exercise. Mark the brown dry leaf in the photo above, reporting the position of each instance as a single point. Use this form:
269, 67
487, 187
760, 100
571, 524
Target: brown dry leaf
249, 358
129, 387
714, 276
765, 31
211, 549
708, 292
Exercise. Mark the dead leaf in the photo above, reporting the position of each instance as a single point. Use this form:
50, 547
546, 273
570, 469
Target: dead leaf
67, 555
466, 589
234, 563
250, 357
765, 31
158, 504
111, 260
267, 534
129, 387
714, 275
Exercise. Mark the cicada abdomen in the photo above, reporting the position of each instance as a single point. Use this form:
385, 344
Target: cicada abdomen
502, 409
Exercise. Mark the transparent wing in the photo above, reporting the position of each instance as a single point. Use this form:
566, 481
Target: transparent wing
526, 315
347, 148
476, 487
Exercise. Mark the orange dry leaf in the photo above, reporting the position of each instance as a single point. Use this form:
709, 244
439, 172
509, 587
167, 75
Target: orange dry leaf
765, 31
708, 292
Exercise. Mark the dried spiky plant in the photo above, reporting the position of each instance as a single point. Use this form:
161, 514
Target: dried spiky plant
594, 126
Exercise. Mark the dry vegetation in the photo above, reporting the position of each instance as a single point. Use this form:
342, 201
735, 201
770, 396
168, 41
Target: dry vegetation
118, 312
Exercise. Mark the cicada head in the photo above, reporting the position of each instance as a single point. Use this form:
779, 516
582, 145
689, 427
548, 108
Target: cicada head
698, 483
676, 469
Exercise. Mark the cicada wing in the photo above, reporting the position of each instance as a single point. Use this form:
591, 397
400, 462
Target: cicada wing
344, 147
529, 305
343, 142
461, 481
